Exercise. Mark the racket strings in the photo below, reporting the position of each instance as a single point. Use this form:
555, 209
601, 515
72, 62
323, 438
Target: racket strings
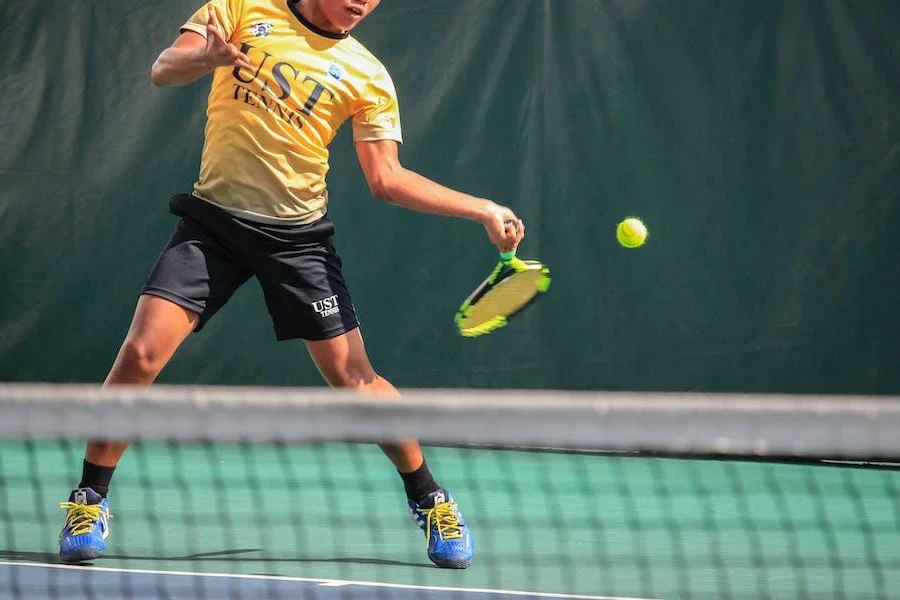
505, 298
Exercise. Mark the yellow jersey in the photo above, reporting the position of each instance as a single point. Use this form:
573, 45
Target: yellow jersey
265, 152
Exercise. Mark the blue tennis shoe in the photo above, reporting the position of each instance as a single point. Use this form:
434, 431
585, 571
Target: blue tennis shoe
86, 526
449, 541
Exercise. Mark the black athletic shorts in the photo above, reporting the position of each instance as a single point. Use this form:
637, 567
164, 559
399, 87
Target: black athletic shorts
212, 253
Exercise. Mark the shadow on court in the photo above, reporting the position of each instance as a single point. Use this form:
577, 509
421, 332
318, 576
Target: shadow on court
236, 555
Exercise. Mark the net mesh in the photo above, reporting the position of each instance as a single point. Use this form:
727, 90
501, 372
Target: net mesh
255, 493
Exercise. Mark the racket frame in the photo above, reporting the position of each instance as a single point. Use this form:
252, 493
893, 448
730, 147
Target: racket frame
507, 259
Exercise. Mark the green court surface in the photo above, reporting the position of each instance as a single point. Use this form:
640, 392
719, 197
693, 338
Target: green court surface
547, 522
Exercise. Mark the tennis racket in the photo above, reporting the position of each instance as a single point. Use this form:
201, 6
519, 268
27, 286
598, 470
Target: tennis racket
512, 285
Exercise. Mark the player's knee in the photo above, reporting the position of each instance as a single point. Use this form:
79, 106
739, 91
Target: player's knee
141, 357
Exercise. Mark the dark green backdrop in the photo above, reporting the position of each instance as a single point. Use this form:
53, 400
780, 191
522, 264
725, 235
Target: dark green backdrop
759, 140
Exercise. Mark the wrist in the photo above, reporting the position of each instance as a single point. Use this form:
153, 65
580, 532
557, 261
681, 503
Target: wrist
485, 211
201, 56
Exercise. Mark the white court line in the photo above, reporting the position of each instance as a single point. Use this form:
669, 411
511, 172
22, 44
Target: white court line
322, 582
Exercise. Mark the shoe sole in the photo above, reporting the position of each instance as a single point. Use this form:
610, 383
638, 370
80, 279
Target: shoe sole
453, 564
81, 555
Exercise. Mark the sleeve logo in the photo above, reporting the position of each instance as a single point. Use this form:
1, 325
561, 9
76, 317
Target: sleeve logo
335, 71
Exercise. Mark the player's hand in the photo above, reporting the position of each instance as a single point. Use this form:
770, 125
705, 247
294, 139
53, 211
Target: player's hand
219, 53
504, 228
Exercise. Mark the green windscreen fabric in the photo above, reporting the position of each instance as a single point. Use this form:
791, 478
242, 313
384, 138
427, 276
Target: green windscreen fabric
759, 142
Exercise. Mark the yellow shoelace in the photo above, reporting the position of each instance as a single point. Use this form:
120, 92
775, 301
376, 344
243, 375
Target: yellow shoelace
444, 516
80, 518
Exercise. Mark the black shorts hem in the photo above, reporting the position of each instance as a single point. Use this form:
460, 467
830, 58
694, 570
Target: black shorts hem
185, 303
326, 334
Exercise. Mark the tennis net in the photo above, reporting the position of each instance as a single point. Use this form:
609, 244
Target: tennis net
257, 493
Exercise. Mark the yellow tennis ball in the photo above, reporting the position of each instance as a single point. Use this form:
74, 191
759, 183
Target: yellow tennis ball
631, 233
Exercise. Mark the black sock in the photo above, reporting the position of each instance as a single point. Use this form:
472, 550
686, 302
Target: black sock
96, 477
419, 483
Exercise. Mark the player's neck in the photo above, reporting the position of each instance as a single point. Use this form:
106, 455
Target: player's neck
313, 13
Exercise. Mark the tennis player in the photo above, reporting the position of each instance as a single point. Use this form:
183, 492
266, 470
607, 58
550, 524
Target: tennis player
286, 75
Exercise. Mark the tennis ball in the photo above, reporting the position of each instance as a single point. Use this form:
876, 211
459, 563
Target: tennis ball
631, 233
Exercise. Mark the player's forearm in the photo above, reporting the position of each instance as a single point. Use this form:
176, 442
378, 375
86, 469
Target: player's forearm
410, 190
179, 66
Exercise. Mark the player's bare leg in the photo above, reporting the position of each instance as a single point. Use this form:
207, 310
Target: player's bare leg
343, 362
157, 330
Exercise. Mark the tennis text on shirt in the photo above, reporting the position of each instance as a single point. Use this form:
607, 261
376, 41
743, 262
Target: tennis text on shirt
265, 154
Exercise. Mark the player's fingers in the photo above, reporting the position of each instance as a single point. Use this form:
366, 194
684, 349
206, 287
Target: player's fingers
510, 235
216, 37
212, 24
513, 232
215, 30
520, 232
502, 228
496, 233
243, 62
213, 17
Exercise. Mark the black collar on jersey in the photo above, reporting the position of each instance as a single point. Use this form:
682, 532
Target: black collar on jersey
294, 5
